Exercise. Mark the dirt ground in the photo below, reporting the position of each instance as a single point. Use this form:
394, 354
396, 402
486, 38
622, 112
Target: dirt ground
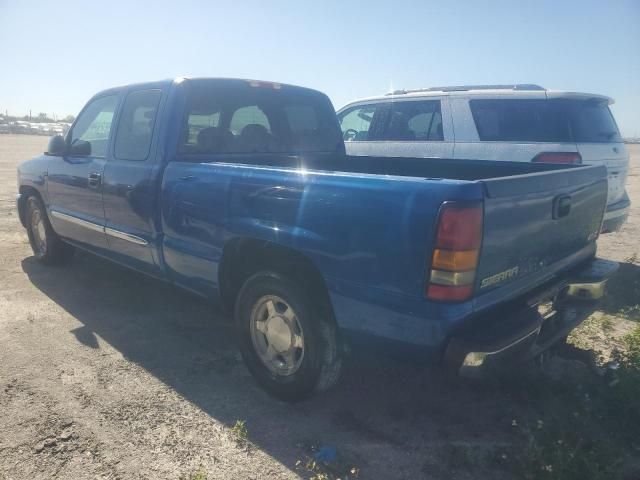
107, 374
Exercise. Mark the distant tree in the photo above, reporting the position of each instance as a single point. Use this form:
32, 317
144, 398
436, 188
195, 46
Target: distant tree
69, 119
42, 116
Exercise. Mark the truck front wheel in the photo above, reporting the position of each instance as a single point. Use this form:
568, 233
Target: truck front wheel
45, 243
287, 344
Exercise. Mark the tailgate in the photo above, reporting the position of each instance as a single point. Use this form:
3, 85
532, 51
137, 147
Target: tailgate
533, 221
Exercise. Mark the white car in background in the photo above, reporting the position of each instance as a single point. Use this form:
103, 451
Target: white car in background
524, 123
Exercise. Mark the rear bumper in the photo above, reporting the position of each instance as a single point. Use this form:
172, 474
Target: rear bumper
616, 215
517, 333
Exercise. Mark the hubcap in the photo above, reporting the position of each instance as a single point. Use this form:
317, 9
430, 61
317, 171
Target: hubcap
39, 232
277, 335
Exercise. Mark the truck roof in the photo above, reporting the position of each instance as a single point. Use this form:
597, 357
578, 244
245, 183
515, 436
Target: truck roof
516, 90
230, 81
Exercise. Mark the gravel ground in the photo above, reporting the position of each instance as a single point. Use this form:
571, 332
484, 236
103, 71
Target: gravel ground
107, 374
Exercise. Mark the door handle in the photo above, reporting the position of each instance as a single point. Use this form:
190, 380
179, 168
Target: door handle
94, 179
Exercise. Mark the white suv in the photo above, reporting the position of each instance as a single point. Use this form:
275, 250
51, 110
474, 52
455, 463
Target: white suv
524, 123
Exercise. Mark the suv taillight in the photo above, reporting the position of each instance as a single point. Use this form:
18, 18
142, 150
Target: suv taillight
455, 255
558, 157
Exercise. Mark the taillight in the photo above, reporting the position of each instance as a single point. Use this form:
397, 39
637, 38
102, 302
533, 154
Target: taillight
558, 157
455, 255
261, 84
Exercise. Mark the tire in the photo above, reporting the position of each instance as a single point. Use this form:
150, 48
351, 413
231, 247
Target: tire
290, 347
47, 247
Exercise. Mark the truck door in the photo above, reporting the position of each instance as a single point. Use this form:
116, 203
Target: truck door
74, 181
129, 192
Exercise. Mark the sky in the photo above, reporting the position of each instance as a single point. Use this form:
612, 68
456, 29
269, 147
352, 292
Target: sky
54, 55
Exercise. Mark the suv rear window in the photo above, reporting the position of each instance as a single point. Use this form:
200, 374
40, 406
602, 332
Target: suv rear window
538, 120
238, 117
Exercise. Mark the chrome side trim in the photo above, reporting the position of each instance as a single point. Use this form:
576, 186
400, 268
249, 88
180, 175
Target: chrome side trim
99, 228
77, 221
125, 236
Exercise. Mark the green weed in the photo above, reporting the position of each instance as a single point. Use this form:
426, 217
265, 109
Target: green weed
240, 433
586, 430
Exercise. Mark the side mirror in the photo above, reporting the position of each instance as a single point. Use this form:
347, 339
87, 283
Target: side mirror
57, 146
80, 148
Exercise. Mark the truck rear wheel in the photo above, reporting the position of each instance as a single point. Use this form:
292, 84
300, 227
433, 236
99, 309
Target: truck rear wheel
47, 247
288, 346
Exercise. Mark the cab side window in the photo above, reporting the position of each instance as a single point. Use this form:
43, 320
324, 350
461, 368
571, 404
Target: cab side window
136, 124
90, 133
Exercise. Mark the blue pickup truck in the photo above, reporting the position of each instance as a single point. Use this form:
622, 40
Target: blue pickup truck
241, 191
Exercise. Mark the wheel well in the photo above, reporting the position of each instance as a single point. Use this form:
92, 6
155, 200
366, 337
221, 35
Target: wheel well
243, 257
26, 192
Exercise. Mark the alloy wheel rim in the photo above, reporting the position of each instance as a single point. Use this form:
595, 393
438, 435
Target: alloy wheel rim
277, 336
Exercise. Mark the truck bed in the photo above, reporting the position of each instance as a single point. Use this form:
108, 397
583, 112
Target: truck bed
371, 220
441, 168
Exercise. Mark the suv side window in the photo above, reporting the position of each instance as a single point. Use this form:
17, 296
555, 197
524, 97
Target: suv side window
356, 122
521, 120
90, 133
136, 123
419, 121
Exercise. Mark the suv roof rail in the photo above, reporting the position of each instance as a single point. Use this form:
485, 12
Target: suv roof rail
463, 88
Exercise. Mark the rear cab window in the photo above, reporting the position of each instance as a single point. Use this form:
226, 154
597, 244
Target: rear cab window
257, 117
415, 120
544, 120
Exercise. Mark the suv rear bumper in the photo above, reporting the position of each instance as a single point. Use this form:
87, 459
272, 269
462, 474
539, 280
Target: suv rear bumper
505, 335
616, 215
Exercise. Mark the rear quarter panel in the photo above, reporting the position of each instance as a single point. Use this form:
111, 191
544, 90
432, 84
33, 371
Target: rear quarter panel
615, 157
369, 235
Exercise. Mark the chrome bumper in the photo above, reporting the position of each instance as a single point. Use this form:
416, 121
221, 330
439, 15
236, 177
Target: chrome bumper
534, 327
587, 291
